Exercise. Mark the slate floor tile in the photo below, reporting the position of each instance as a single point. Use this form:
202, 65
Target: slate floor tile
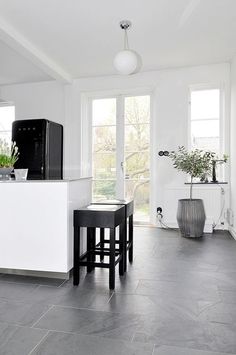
224, 337
170, 330
97, 281
224, 313
162, 306
179, 294
70, 344
71, 296
20, 313
16, 291
179, 289
19, 340
173, 350
105, 324
228, 296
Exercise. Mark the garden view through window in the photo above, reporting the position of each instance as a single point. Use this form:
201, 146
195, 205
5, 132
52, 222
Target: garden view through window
121, 150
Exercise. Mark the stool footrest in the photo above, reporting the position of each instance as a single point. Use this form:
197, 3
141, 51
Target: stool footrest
95, 263
129, 244
97, 251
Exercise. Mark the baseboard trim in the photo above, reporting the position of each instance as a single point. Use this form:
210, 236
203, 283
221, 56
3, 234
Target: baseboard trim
57, 275
207, 229
232, 232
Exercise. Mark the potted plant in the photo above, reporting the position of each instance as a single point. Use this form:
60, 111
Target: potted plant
191, 213
8, 156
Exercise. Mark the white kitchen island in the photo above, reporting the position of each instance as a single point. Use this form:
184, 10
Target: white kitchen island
36, 224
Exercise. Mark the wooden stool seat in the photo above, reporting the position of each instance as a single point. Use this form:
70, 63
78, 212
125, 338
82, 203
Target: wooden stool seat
99, 216
129, 211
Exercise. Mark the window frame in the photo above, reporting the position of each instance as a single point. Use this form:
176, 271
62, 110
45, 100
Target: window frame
86, 131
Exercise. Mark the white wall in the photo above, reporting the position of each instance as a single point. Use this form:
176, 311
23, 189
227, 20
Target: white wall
233, 143
38, 100
170, 90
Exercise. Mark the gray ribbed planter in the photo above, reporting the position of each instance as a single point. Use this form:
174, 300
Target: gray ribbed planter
191, 217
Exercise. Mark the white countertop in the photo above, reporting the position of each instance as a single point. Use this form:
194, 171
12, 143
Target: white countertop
13, 181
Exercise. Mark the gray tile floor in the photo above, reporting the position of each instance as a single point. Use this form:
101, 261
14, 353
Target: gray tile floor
178, 298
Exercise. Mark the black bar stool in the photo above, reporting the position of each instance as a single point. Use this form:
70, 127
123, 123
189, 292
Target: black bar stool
99, 216
129, 211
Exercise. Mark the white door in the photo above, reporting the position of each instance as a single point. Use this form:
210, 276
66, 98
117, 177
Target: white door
121, 150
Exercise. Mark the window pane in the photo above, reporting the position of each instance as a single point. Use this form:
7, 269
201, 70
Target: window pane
7, 116
137, 165
205, 135
104, 112
137, 109
104, 166
139, 190
6, 136
104, 139
205, 104
206, 143
208, 128
104, 189
137, 137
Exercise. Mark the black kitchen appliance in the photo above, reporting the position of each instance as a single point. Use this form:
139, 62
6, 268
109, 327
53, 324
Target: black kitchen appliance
40, 144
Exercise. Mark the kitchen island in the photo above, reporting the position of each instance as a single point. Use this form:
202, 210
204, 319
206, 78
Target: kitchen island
36, 224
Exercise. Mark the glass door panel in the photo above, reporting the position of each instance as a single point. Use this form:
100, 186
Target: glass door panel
104, 148
137, 153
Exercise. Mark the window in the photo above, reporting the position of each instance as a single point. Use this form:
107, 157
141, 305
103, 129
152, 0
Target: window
7, 116
205, 120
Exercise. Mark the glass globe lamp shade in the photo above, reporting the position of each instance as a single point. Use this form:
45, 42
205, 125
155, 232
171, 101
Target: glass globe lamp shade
126, 62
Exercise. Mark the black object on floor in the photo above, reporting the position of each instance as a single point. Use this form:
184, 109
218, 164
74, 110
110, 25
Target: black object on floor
99, 216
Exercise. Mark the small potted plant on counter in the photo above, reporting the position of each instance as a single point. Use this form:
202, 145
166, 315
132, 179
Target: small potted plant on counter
191, 213
8, 156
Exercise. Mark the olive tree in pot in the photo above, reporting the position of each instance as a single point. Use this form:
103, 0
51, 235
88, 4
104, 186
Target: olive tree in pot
191, 213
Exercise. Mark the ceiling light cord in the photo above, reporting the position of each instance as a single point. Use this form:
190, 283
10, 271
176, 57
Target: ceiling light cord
126, 41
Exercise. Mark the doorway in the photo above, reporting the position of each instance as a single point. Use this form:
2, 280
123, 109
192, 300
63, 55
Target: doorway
121, 150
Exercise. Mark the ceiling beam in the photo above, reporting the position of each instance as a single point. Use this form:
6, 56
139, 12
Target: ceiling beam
23, 46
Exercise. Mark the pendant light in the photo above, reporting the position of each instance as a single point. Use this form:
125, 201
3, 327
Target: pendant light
127, 61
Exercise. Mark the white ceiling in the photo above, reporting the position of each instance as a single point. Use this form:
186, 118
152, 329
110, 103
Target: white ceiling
14, 68
82, 37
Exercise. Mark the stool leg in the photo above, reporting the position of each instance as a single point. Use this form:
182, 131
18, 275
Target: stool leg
102, 243
76, 269
131, 232
93, 244
122, 241
125, 245
89, 248
112, 259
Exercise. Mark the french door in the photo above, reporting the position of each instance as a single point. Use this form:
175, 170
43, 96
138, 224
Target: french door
121, 150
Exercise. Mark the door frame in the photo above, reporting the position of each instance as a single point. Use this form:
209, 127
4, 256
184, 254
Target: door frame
86, 134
